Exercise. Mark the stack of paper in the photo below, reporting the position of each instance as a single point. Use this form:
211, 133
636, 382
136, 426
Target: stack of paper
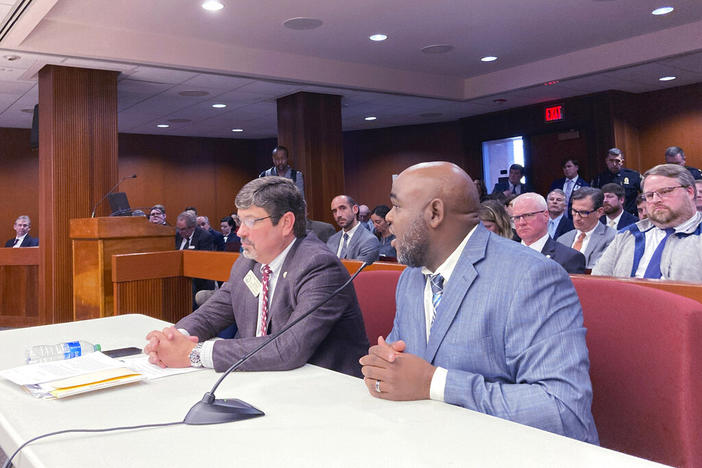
94, 371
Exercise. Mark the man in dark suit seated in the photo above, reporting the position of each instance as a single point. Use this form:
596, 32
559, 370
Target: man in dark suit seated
558, 222
280, 276
217, 237
513, 184
615, 216
22, 238
189, 236
530, 217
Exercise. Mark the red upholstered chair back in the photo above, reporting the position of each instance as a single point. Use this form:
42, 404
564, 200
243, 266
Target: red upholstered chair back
376, 296
646, 368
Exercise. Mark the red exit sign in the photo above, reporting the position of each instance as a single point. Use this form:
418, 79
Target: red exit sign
554, 113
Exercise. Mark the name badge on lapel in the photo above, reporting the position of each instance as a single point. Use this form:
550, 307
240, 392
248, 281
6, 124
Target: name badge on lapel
252, 283
626, 181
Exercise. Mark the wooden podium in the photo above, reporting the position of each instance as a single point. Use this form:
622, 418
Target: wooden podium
95, 241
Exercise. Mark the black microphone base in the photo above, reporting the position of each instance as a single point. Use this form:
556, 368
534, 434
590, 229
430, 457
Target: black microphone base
221, 411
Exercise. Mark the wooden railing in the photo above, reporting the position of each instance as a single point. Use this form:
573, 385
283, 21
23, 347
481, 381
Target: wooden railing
19, 287
158, 283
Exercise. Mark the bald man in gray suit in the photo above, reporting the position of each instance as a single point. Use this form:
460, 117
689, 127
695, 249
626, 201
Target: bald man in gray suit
353, 242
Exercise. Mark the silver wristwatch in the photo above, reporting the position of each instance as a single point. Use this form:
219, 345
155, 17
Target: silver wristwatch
195, 356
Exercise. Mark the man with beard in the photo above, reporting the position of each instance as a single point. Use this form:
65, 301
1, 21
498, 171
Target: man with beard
481, 322
281, 275
351, 242
667, 244
615, 216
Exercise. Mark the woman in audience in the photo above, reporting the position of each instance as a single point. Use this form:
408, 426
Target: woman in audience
494, 216
382, 231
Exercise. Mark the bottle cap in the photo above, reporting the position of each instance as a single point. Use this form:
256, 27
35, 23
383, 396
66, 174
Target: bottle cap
98, 347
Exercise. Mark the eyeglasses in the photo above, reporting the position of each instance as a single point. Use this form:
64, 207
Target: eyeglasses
249, 222
156, 213
525, 216
662, 193
616, 161
582, 213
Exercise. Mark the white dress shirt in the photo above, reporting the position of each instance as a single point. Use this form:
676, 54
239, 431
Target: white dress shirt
438, 381
350, 232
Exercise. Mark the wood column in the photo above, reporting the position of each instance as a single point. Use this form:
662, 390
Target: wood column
309, 125
77, 166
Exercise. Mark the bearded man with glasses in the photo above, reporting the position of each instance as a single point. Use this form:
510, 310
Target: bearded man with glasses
666, 245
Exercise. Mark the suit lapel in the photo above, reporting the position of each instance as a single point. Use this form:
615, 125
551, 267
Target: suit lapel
248, 327
455, 291
549, 248
282, 286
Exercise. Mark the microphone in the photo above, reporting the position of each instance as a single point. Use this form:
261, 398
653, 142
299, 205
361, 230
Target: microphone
212, 411
133, 176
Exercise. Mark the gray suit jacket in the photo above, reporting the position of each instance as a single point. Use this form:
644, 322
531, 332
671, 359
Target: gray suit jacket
509, 330
596, 246
333, 337
362, 246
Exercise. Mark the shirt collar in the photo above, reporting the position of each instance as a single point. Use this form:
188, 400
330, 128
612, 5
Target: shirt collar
277, 262
446, 268
352, 230
539, 244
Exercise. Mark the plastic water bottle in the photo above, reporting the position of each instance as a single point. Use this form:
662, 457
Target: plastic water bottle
58, 352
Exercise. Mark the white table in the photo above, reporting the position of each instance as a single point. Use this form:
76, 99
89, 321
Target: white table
314, 417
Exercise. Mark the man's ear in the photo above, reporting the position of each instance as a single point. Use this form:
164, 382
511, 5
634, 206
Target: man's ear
288, 220
436, 212
355, 209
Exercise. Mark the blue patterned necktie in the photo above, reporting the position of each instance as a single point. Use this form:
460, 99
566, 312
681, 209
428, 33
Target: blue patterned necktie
653, 270
437, 291
342, 254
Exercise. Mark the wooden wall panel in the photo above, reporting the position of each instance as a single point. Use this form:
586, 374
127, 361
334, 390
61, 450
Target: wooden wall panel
178, 171
19, 179
672, 117
309, 125
19, 286
77, 166
371, 157
168, 299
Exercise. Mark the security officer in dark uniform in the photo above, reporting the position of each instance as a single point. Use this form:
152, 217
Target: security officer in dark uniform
676, 155
616, 174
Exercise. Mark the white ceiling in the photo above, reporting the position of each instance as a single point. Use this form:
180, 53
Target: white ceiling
243, 57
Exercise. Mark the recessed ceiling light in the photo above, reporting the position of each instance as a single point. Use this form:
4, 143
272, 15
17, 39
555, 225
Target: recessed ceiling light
212, 5
662, 10
370, 117
377, 37
163, 125
499, 100
667, 78
11, 58
302, 24
551, 83
193, 93
437, 49
237, 130
219, 106
488, 58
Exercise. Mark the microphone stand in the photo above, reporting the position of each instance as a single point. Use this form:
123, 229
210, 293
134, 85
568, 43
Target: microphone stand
133, 176
212, 411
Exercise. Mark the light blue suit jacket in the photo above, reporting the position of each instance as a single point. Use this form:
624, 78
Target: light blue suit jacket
509, 329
